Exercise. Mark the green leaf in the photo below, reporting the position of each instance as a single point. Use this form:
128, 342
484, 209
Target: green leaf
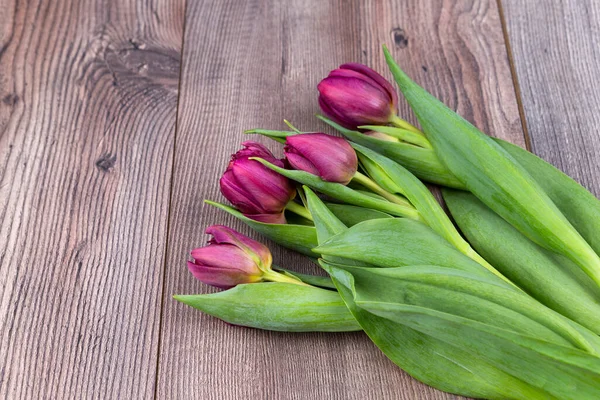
300, 238
496, 324
430, 360
277, 307
405, 135
580, 206
560, 371
352, 215
492, 175
315, 280
327, 224
421, 162
278, 136
552, 279
473, 296
397, 179
397, 242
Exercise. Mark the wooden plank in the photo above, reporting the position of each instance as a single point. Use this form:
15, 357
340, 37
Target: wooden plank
557, 60
87, 119
252, 65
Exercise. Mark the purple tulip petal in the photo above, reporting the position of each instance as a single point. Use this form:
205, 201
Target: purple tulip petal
238, 195
330, 157
359, 100
225, 235
225, 255
334, 115
253, 188
268, 218
255, 149
300, 163
355, 95
273, 190
223, 278
372, 74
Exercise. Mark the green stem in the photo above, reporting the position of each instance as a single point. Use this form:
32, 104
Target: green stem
275, 276
400, 123
375, 188
405, 135
298, 209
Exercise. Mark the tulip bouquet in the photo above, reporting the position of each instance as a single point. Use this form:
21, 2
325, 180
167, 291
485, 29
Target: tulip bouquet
509, 310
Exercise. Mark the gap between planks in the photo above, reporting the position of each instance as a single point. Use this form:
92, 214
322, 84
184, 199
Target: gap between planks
513, 73
169, 207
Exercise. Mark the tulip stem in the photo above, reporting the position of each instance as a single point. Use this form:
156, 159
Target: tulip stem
375, 188
274, 276
400, 123
298, 209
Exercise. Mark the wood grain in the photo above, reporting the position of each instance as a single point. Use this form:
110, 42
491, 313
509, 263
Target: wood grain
252, 64
88, 96
557, 60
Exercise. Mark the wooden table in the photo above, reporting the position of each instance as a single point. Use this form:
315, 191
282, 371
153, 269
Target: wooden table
117, 117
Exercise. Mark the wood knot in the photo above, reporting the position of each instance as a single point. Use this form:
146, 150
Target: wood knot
400, 38
141, 61
106, 162
10, 99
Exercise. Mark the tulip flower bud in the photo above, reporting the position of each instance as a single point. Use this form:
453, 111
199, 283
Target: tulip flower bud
355, 95
230, 259
329, 157
255, 190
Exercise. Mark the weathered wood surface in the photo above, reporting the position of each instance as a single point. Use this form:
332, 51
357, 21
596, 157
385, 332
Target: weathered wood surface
88, 97
556, 47
252, 64
93, 135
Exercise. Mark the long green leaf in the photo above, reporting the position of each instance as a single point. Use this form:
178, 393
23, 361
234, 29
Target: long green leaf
473, 296
495, 177
562, 372
277, 307
327, 224
553, 280
352, 215
430, 360
397, 179
580, 206
301, 238
494, 323
397, 242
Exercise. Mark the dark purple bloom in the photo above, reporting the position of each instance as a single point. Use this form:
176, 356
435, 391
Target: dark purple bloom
230, 259
355, 95
255, 190
329, 157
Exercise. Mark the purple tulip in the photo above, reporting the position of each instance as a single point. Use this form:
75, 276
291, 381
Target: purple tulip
330, 157
230, 259
256, 191
355, 95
